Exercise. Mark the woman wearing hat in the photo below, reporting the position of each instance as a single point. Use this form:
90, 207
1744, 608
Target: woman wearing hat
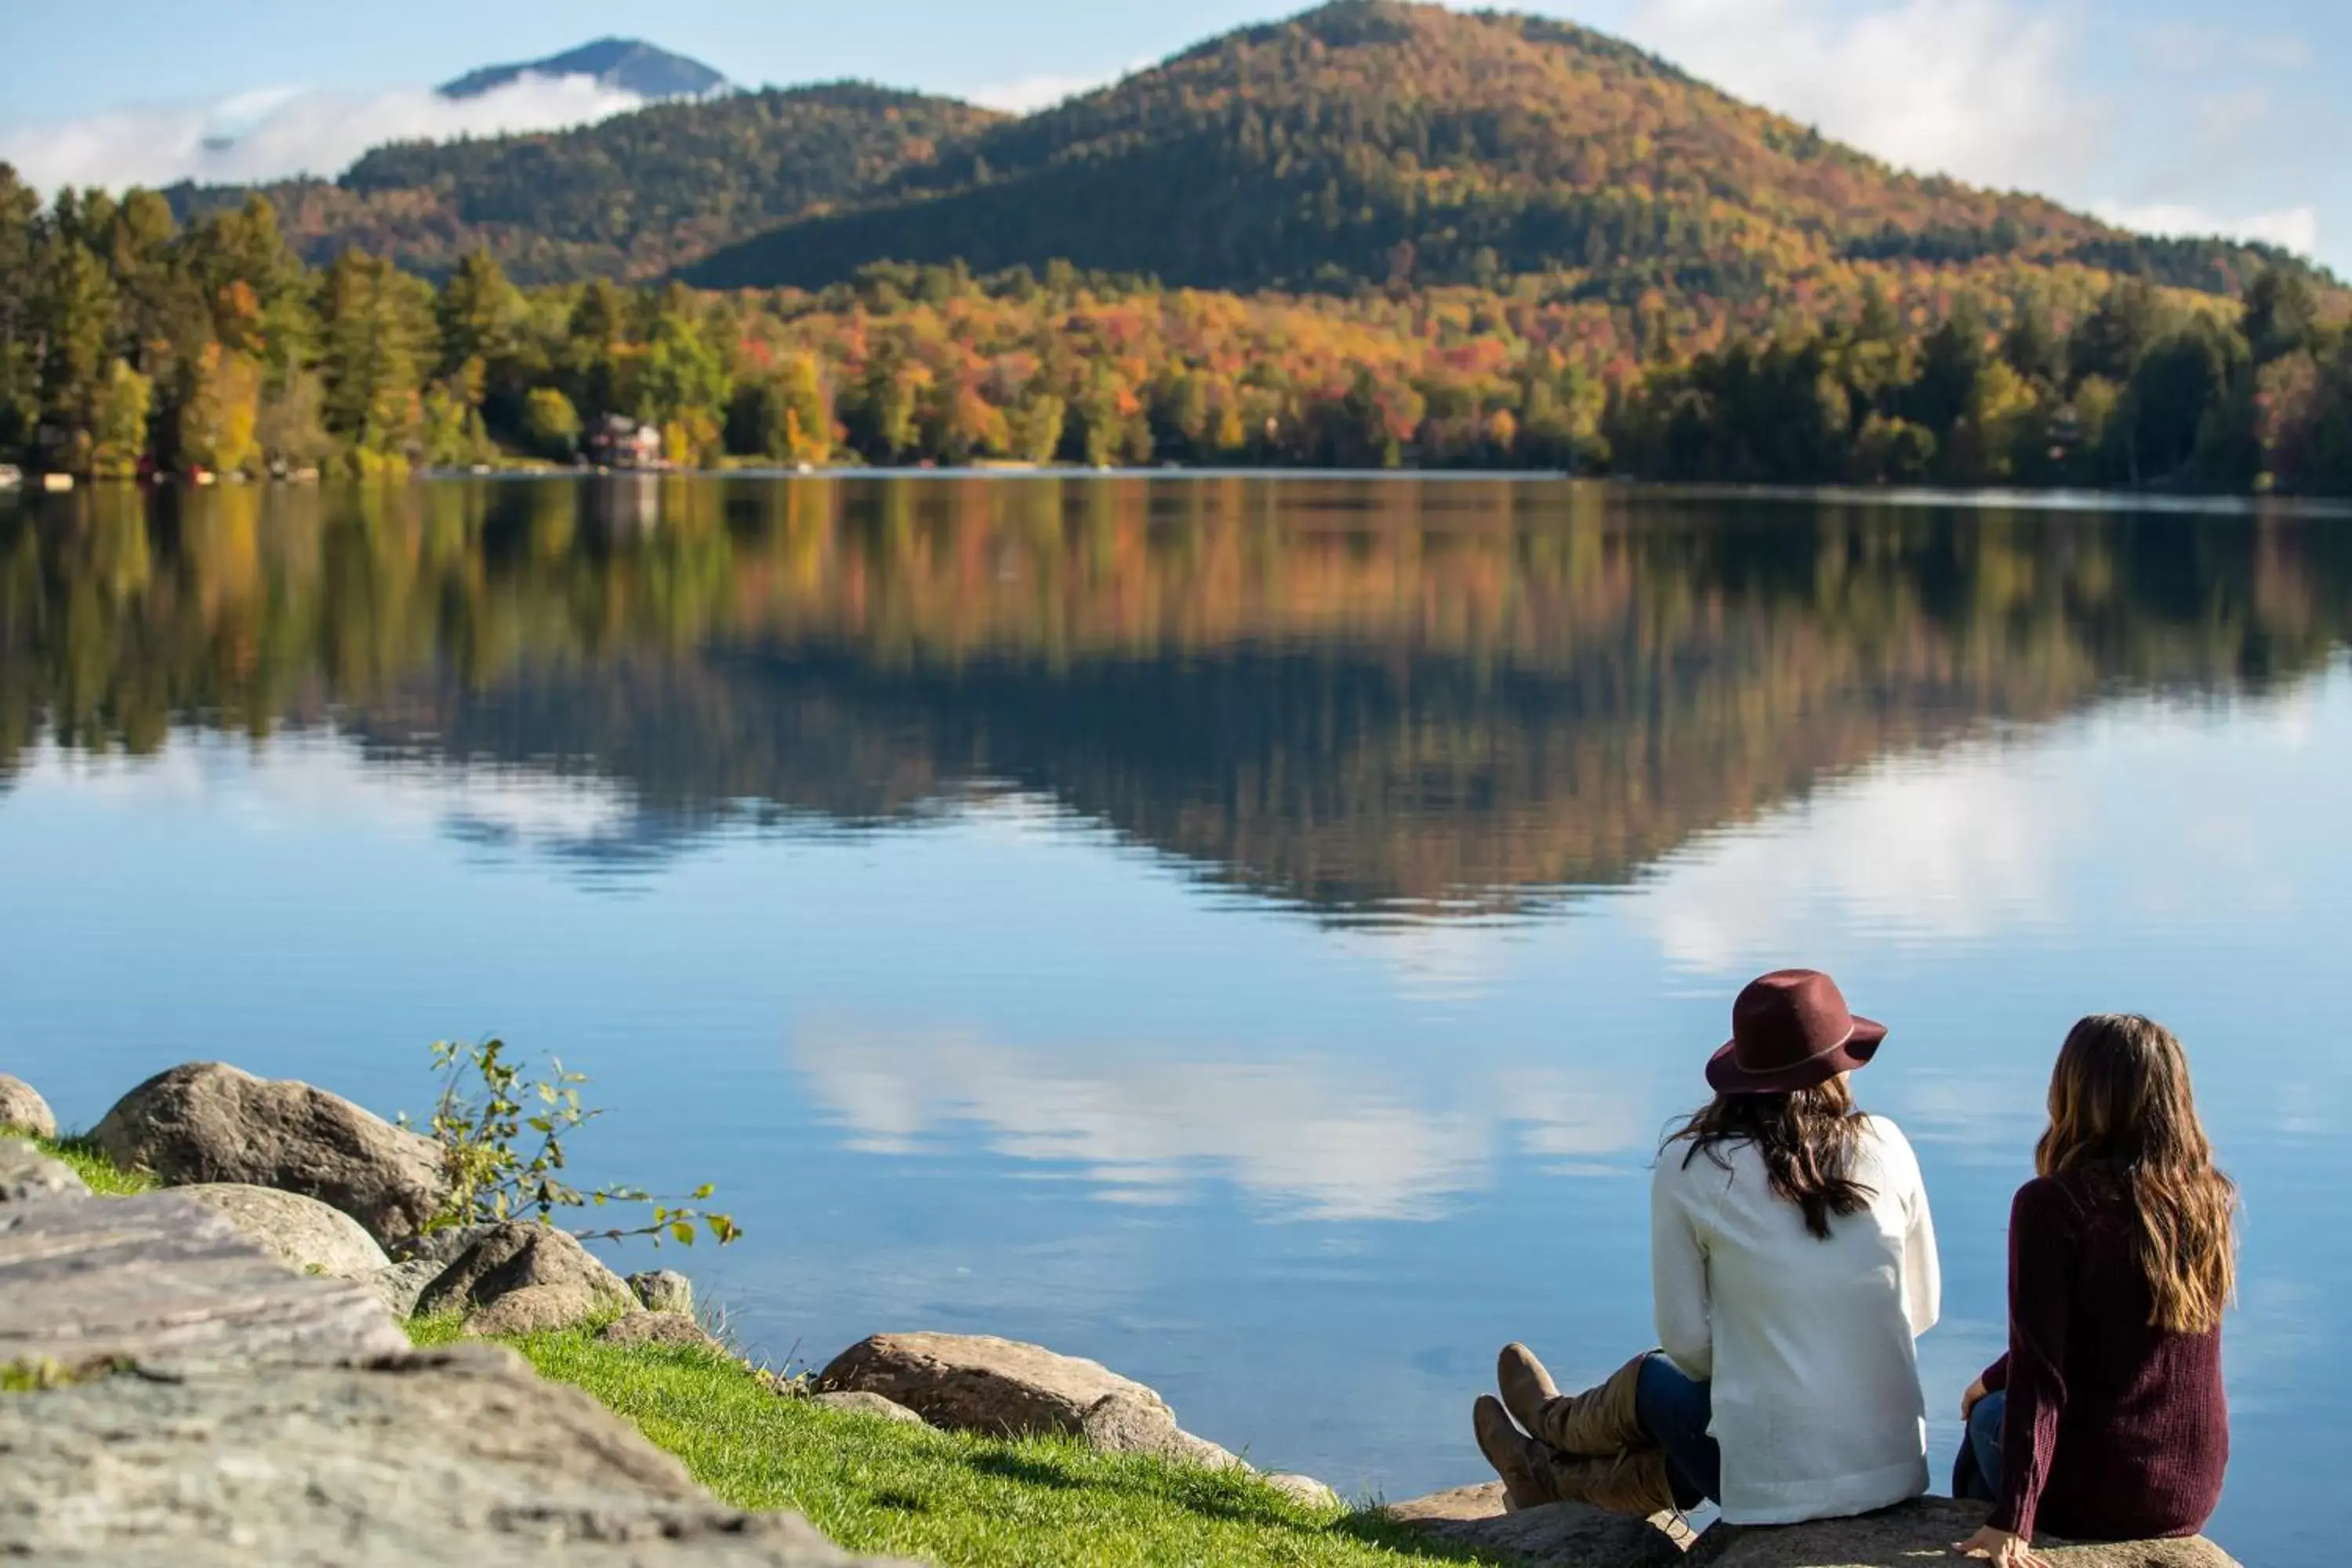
2107, 1420
1794, 1263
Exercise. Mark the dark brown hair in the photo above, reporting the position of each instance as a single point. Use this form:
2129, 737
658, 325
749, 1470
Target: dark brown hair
1808, 1139
2120, 1103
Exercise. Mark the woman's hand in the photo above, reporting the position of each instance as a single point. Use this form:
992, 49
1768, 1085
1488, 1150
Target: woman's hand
1969, 1400
2001, 1549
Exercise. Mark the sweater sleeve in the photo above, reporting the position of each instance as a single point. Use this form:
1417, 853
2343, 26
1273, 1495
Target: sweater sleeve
1678, 1276
1996, 1376
2042, 1246
1923, 1269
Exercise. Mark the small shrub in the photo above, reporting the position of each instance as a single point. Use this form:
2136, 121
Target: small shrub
502, 1135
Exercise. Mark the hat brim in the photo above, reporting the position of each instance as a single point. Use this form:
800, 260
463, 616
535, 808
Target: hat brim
1726, 1075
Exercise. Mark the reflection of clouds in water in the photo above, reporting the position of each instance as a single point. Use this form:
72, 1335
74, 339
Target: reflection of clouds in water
321, 777
1957, 846
1432, 961
2165, 801
1316, 1139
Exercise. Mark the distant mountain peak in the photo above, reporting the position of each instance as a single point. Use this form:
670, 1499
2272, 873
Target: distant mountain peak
631, 65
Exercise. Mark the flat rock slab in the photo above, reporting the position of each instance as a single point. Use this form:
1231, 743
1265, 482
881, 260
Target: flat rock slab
1919, 1531
162, 1278
462, 1456
1559, 1535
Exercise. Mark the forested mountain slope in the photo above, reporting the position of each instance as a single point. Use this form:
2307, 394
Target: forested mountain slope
631, 196
1372, 140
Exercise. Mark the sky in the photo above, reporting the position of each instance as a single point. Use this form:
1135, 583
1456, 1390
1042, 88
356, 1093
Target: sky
2167, 115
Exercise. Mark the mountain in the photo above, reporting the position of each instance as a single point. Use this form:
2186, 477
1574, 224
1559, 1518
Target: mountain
1373, 140
631, 65
631, 196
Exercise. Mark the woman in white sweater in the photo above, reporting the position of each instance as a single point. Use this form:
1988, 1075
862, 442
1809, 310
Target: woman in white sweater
1794, 1263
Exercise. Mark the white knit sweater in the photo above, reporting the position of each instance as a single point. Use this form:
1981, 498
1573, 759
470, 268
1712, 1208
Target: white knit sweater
1808, 1343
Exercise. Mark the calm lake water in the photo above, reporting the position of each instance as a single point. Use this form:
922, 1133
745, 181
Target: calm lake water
1249, 931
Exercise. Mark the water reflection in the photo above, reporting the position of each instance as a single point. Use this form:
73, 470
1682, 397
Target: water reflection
1371, 701
1313, 1139
1250, 932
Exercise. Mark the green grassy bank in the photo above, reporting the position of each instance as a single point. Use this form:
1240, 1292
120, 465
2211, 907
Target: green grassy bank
94, 1168
878, 1486
889, 1488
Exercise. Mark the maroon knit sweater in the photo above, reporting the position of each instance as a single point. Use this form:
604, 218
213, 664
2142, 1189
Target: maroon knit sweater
2116, 1430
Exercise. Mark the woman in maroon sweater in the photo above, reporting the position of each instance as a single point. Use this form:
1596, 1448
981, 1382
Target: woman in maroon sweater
2105, 1420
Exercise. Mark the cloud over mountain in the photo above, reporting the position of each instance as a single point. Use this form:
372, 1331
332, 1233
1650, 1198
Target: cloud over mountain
282, 133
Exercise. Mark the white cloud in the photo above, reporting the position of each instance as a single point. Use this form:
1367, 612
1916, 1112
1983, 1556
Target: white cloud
2296, 229
1976, 89
1031, 94
277, 132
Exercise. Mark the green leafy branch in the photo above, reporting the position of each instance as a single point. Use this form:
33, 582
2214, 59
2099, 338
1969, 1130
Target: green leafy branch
502, 1134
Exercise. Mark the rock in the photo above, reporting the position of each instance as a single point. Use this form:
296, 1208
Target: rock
26, 1173
443, 1245
977, 1382
533, 1310
868, 1404
1916, 1531
663, 1291
1138, 1421
1304, 1491
163, 1279
659, 1328
400, 1284
24, 1110
303, 1232
1557, 1535
206, 1122
328, 1464
508, 1259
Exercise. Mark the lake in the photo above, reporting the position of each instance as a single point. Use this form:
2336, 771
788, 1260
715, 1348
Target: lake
1252, 932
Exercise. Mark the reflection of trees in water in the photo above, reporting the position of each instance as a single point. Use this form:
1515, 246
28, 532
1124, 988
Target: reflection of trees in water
1347, 692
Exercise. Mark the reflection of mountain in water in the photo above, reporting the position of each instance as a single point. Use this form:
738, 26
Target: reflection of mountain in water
1353, 694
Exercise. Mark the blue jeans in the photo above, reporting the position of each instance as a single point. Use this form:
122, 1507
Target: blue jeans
1676, 1411
1977, 1476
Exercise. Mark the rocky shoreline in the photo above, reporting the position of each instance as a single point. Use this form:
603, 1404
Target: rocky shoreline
220, 1376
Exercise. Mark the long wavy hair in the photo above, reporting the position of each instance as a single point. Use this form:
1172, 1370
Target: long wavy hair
2120, 1105
1809, 1141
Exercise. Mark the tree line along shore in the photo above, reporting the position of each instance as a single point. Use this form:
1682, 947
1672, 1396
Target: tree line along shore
132, 345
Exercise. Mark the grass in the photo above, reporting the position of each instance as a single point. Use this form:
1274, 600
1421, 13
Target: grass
876, 1485
954, 1498
105, 1178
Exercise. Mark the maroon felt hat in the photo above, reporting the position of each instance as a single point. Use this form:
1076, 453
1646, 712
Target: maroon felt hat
1792, 1030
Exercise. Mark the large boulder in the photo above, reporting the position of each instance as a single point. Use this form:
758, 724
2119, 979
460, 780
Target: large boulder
207, 1122
303, 1232
522, 1278
1920, 1531
24, 1110
978, 1382
455, 1459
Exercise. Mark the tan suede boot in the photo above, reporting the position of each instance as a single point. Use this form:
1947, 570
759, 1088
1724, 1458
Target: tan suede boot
1521, 1462
1526, 1386
1634, 1481
1599, 1422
